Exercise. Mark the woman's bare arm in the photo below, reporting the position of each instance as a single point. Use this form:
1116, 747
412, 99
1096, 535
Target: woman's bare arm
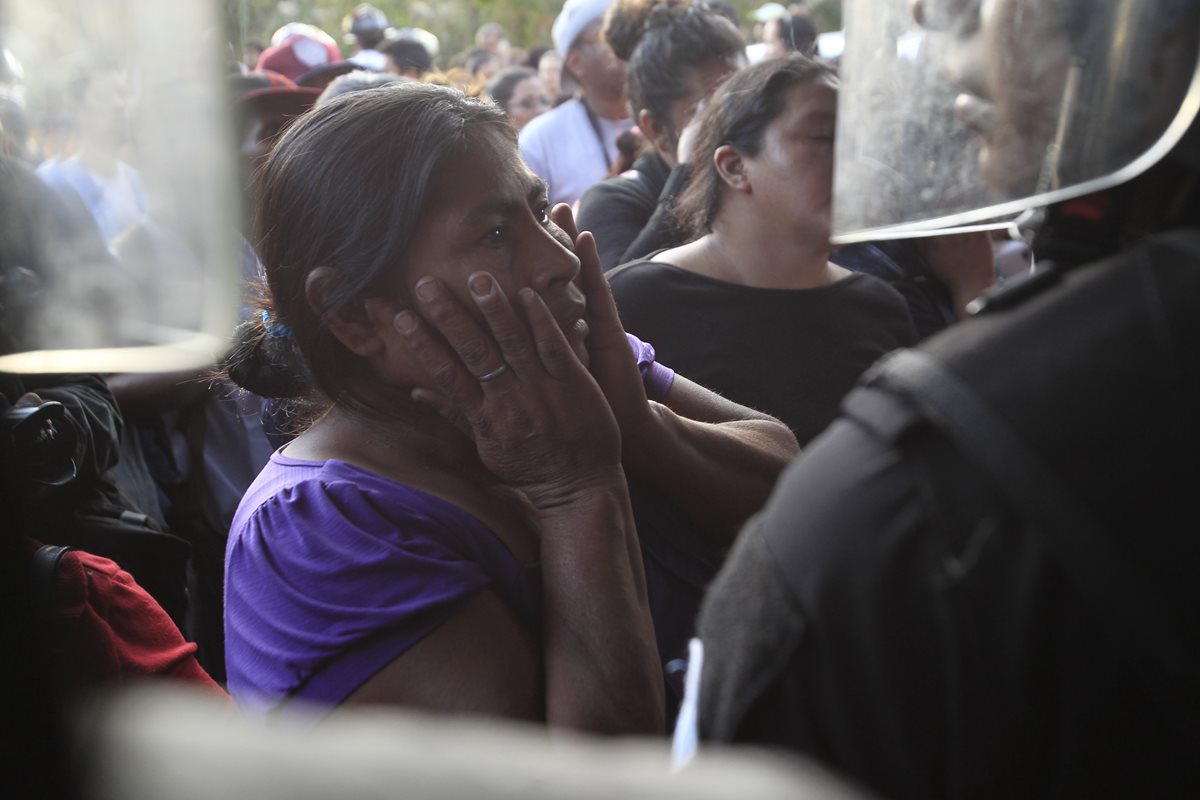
588, 672
482, 660
716, 459
713, 458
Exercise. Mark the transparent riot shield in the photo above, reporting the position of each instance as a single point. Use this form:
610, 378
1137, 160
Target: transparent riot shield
962, 112
121, 206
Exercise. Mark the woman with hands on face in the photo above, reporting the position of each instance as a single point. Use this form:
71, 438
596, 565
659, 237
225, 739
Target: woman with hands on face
453, 529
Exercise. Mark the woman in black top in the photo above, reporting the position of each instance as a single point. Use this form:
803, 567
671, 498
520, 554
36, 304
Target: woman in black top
754, 309
677, 54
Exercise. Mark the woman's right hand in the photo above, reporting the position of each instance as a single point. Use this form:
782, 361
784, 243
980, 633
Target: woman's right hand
538, 419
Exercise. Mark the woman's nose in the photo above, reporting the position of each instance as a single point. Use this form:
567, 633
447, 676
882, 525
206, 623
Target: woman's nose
553, 262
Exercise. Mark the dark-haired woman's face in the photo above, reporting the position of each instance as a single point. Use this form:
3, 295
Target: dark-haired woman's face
701, 83
487, 212
792, 175
528, 100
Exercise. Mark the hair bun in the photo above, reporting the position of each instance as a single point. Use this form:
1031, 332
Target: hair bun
264, 364
629, 20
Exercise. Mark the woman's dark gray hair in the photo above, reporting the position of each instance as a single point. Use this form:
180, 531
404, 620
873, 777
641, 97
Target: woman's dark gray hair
345, 188
738, 114
665, 42
355, 81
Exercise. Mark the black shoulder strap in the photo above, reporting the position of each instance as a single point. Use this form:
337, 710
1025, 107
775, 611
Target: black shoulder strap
595, 122
1095, 564
45, 568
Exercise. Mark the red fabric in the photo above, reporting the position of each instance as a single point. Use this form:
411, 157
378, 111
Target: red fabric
110, 630
296, 55
1091, 207
272, 80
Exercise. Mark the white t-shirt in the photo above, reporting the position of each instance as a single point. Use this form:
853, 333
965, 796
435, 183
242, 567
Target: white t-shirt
756, 52
117, 202
369, 59
561, 147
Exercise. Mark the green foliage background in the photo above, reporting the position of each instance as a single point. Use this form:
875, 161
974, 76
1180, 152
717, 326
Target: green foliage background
454, 22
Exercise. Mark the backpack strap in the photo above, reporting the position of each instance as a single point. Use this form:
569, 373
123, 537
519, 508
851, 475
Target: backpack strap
45, 568
1094, 563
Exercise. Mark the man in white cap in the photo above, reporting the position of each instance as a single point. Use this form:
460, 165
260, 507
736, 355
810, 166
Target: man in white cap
573, 146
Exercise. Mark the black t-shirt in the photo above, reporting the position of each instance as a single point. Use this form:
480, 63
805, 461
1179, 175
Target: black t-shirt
790, 353
632, 215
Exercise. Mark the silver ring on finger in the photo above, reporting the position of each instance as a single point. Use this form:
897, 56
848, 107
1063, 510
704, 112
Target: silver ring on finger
488, 377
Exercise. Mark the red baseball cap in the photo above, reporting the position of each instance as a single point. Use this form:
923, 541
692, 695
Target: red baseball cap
298, 52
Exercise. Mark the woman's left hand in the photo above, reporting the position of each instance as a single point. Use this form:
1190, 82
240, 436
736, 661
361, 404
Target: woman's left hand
538, 420
610, 358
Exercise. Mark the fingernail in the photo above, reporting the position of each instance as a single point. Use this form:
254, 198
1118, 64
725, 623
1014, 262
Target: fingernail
527, 295
405, 322
428, 289
481, 284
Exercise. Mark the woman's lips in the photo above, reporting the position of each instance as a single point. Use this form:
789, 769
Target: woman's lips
568, 312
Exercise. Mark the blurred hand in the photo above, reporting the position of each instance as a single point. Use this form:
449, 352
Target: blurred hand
965, 262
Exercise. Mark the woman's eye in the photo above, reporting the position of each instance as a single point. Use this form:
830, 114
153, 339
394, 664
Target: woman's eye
543, 213
495, 236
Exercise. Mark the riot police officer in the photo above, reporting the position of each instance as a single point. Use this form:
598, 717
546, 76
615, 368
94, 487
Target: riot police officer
979, 582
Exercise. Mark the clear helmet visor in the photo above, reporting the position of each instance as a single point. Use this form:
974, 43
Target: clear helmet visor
119, 248
954, 113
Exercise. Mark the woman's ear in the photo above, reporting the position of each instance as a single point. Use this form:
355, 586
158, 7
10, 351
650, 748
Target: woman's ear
731, 167
355, 324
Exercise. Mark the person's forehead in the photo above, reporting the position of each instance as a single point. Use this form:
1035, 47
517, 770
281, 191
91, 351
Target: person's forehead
819, 90
816, 98
528, 85
484, 176
590, 34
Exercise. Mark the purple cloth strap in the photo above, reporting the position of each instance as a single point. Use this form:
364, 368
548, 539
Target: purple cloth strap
655, 377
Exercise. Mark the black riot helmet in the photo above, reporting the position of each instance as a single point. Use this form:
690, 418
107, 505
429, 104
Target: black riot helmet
959, 113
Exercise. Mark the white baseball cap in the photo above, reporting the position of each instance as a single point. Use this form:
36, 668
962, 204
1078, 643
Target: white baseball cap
574, 17
769, 11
